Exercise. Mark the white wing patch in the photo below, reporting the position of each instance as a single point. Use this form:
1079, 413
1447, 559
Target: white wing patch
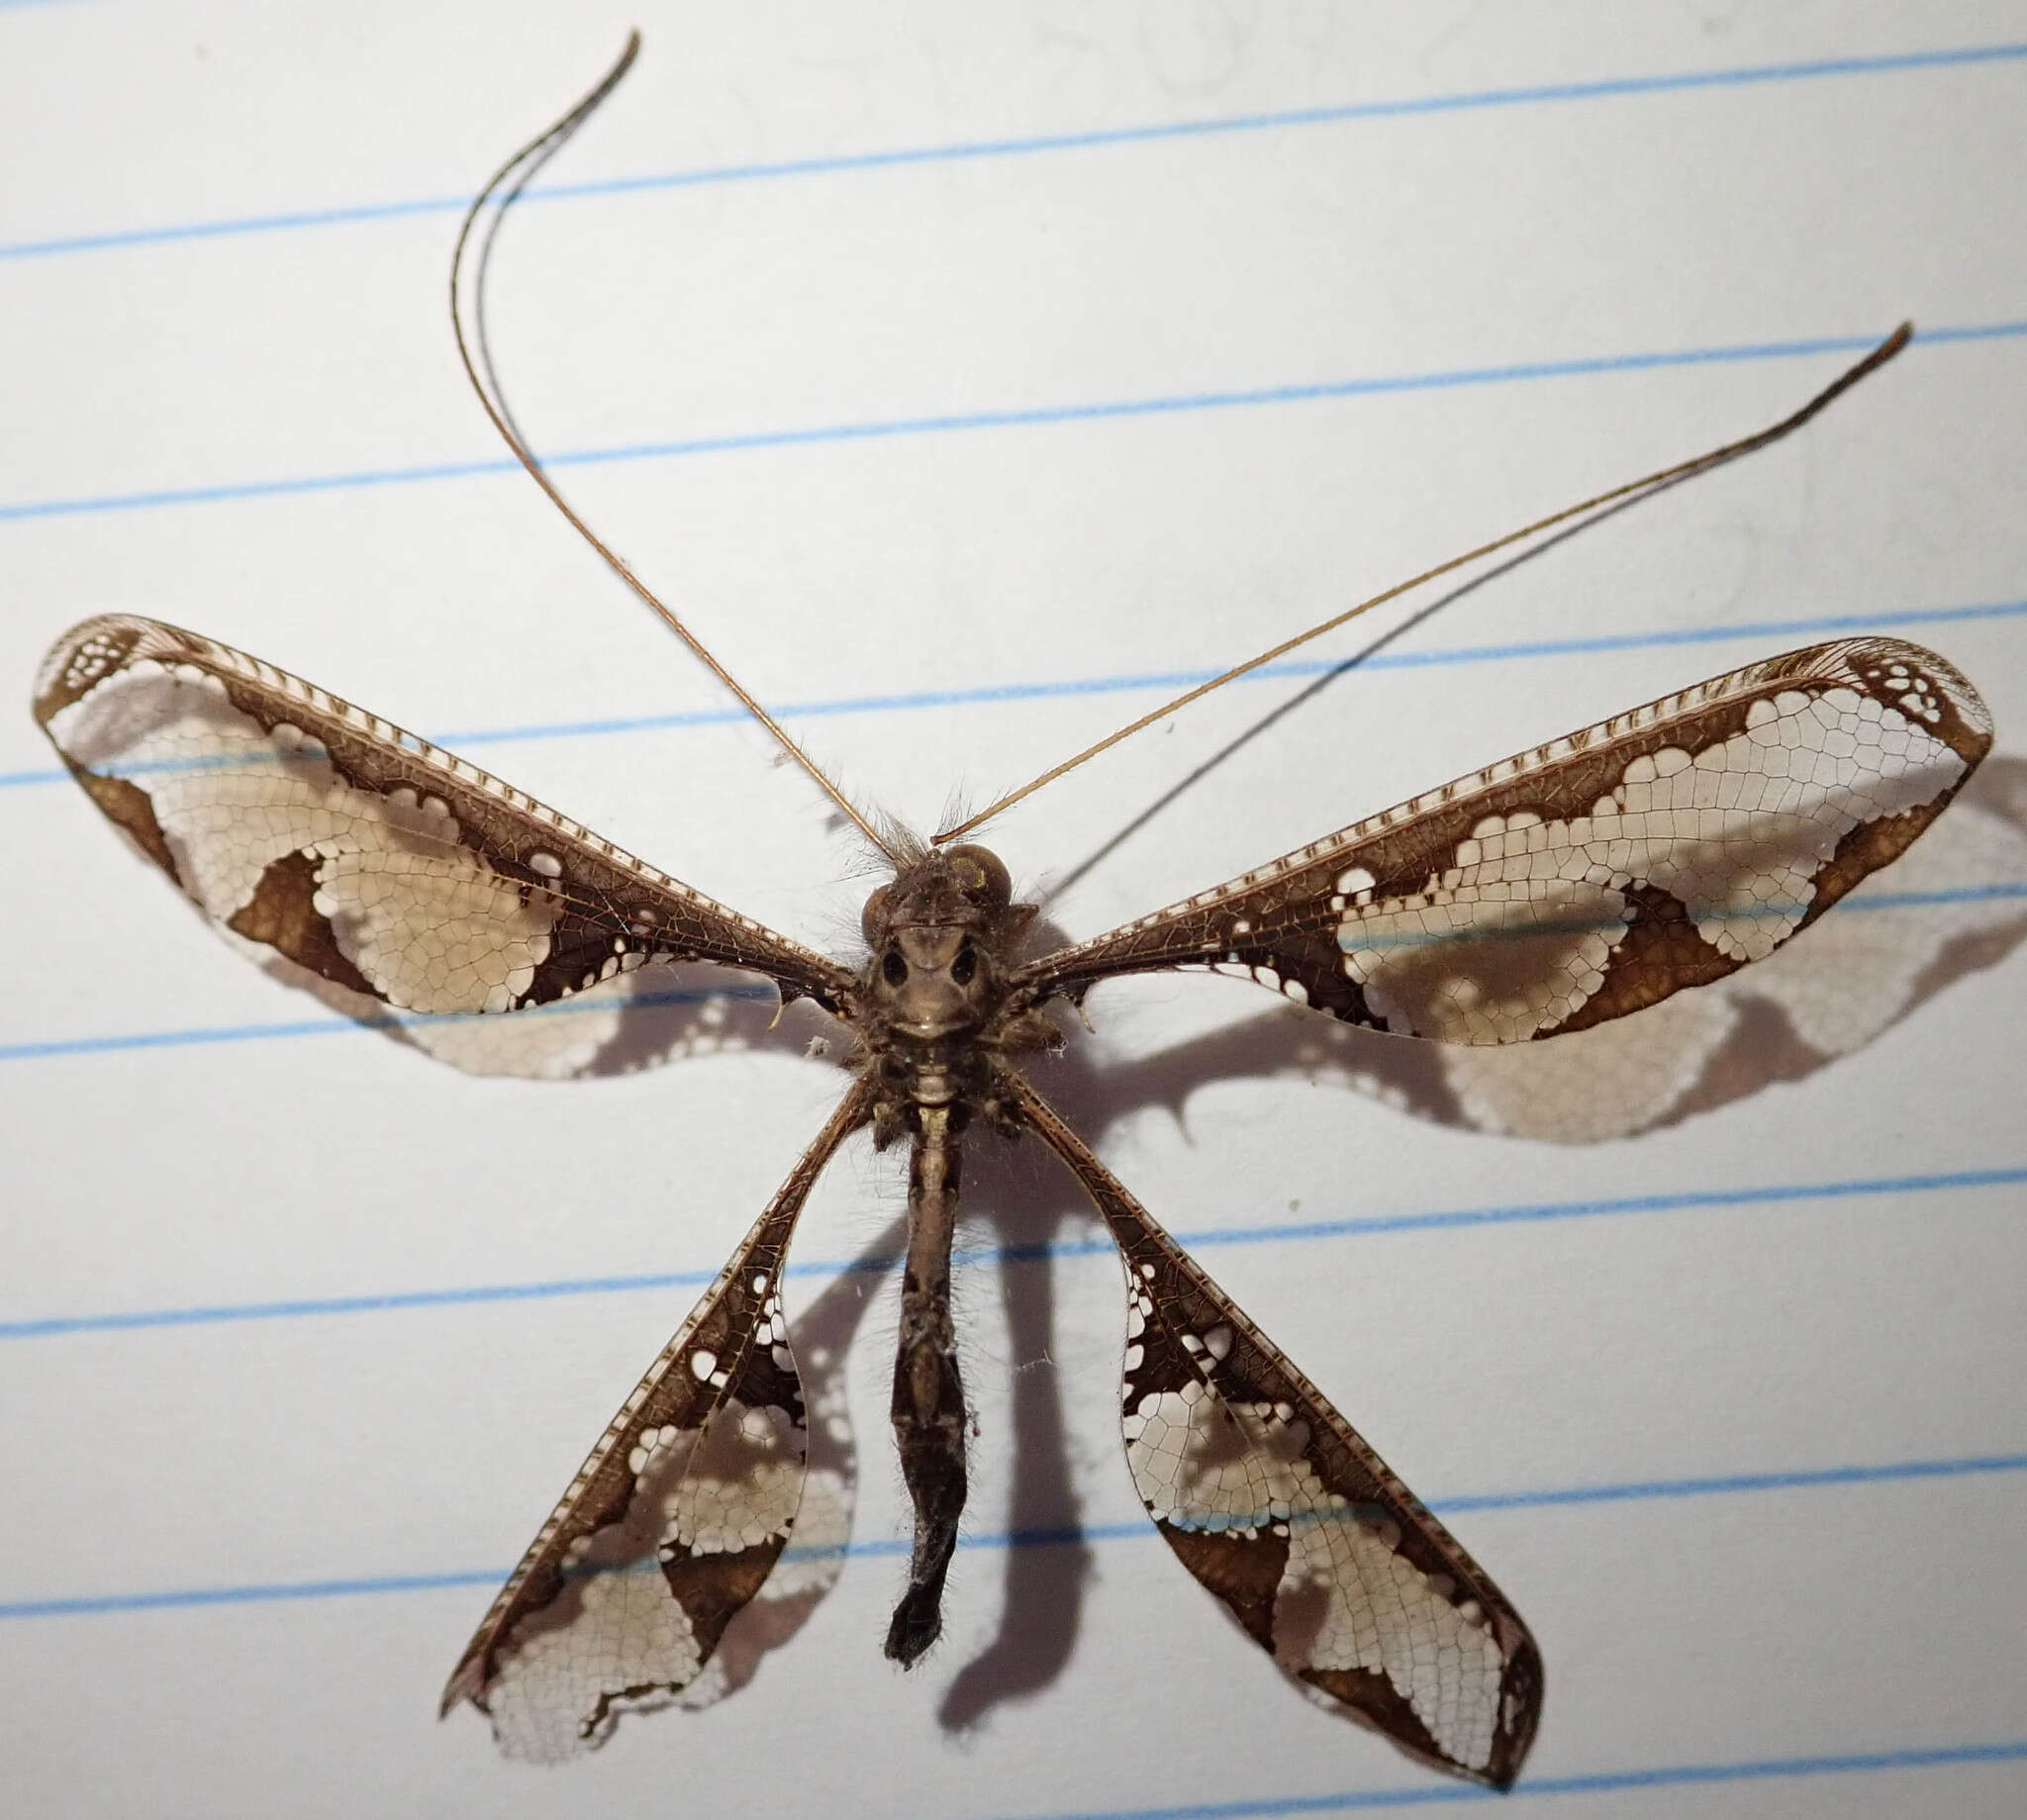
1345, 1600
618, 1636
1515, 935
427, 923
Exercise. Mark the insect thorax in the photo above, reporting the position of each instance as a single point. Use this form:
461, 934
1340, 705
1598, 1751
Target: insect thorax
935, 1009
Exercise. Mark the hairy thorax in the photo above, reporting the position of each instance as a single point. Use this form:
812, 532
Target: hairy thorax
934, 1010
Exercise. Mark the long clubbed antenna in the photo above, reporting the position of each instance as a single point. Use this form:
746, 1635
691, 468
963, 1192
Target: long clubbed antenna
507, 183
1710, 458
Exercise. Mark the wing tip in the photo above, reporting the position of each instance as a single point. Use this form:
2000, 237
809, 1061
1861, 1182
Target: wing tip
83, 658
466, 1683
1520, 1694
1967, 724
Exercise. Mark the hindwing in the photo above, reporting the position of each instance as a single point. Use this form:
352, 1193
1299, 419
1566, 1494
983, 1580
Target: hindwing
1278, 1506
675, 1520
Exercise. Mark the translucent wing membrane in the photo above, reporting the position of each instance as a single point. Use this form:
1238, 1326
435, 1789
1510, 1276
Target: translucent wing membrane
672, 1524
359, 851
1273, 1501
1663, 848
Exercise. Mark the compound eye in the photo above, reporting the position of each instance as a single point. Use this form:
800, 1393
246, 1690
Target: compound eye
893, 970
983, 875
964, 969
873, 919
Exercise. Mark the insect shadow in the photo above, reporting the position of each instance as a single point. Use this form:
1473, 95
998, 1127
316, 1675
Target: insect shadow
1618, 1078
1954, 906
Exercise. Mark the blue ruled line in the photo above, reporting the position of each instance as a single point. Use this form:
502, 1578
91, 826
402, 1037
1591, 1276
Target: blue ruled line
182, 1598
1136, 1529
336, 1025
1203, 1238
985, 694
1024, 418
1089, 139
1718, 1484
1610, 1782
1998, 891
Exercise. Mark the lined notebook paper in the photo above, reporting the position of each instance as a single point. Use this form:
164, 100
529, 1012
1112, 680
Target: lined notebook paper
974, 381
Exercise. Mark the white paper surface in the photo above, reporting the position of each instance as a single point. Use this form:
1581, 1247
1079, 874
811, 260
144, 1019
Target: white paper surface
966, 373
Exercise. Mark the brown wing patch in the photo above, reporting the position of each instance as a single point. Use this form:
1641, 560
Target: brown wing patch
128, 809
1278, 1507
673, 1522
358, 850
1658, 850
1243, 1569
282, 915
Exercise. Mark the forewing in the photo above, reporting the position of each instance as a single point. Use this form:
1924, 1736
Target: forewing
1663, 848
359, 851
1273, 1501
672, 1524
